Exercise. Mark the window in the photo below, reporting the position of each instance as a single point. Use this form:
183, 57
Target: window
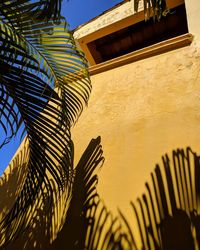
139, 35
120, 36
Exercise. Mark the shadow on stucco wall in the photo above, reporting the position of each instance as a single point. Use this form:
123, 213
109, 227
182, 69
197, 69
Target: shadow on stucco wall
167, 215
11, 182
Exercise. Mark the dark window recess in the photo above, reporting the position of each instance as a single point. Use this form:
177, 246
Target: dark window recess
139, 35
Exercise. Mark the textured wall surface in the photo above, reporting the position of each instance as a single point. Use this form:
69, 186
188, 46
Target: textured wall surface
193, 18
141, 110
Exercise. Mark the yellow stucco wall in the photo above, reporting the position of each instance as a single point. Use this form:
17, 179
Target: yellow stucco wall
193, 18
141, 110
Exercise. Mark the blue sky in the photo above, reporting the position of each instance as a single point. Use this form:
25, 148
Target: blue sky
76, 12
80, 11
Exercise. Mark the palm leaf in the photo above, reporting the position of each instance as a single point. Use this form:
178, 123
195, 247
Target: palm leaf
10, 119
32, 65
58, 50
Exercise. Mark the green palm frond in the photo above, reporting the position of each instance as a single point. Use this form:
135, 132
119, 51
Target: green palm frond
17, 12
45, 76
10, 119
58, 50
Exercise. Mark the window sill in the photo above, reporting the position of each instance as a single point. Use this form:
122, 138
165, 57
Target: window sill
156, 49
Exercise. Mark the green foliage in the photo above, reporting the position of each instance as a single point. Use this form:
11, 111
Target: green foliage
44, 86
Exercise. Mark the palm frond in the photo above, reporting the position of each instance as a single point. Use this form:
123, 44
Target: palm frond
10, 119
17, 12
58, 50
37, 55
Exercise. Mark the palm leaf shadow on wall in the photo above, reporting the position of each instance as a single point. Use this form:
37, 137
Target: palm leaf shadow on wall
163, 223
168, 212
